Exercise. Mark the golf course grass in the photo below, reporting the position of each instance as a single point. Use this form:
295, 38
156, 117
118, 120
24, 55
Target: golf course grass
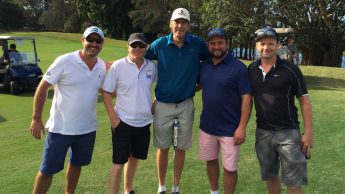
21, 154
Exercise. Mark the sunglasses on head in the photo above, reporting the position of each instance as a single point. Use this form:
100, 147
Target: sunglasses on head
265, 32
137, 44
97, 40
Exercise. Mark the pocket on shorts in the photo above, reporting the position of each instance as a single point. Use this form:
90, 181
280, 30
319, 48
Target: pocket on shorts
116, 129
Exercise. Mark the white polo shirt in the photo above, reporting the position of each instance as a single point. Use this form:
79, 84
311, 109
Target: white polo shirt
73, 110
133, 90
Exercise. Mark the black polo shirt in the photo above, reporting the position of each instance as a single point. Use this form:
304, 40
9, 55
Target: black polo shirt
274, 94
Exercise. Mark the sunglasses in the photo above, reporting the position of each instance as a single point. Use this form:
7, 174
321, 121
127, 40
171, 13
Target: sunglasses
137, 44
97, 40
265, 32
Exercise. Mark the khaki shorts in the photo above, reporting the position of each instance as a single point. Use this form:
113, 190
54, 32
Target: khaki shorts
163, 118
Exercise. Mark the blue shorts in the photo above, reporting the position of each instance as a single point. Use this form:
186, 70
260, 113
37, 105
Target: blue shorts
56, 146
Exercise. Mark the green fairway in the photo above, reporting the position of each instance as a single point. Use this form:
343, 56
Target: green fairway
21, 153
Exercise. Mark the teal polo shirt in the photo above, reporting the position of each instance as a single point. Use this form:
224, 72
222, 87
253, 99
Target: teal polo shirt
177, 67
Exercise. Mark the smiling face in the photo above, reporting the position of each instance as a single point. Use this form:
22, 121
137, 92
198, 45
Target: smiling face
137, 50
179, 28
218, 47
267, 47
92, 45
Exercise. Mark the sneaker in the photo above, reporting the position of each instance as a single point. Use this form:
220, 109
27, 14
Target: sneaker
175, 193
162, 192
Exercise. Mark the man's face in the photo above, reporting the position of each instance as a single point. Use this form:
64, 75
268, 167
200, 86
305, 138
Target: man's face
179, 27
267, 47
290, 41
137, 50
218, 46
92, 45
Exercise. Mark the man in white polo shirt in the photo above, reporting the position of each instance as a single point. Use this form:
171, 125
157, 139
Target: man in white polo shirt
131, 79
76, 77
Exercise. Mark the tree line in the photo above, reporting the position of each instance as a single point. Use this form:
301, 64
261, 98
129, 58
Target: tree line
319, 25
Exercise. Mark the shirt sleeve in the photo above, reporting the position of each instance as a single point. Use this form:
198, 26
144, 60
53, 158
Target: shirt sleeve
204, 50
299, 86
55, 71
151, 52
111, 79
243, 81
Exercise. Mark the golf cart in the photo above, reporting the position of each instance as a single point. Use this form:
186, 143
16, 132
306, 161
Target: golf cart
18, 64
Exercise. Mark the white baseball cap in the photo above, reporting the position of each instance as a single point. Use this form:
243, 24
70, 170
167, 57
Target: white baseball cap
93, 29
180, 13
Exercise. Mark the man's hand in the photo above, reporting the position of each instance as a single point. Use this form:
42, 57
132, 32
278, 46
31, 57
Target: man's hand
239, 136
114, 123
307, 144
36, 128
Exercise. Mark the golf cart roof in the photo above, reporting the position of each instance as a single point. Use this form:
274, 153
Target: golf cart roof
283, 30
16, 38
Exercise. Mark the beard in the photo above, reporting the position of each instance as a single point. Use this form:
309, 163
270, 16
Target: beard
219, 53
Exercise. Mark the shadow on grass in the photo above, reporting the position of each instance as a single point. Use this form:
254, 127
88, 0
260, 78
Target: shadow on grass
24, 93
324, 83
29, 93
2, 119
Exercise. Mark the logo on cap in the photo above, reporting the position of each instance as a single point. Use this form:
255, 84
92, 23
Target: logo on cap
94, 30
180, 13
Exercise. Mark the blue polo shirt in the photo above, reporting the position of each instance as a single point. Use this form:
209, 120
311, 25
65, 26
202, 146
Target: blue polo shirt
222, 87
177, 67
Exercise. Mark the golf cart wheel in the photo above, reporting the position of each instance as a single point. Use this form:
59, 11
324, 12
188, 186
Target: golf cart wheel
15, 87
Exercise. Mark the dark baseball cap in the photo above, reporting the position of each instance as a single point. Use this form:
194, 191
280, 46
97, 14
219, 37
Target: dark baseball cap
137, 37
216, 32
266, 32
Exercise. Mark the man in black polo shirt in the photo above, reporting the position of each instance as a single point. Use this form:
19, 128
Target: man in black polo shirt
275, 83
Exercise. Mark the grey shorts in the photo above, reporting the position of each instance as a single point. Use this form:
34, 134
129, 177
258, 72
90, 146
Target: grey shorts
281, 147
163, 118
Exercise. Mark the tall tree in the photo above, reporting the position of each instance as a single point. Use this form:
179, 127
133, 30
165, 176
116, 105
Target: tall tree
319, 28
33, 10
61, 16
239, 18
112, 16
11, 15
54, 17
150, 16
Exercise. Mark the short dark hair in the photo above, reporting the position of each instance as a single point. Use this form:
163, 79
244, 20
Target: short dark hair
13, 46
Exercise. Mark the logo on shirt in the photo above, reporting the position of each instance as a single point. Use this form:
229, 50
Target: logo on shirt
48, 73
275, 75
149, 74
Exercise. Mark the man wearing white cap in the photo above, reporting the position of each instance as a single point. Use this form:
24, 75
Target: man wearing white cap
178, 56
72, 124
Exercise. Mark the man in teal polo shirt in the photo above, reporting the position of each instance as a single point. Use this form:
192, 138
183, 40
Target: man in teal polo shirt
178, 56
